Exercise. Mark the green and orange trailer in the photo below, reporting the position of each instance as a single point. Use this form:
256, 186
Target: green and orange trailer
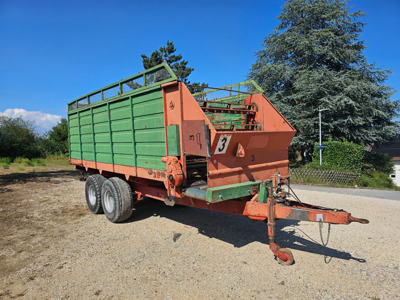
222, 149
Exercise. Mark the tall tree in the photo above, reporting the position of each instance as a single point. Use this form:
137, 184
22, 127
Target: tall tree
314, 60
57, 138
18, 139
175, 61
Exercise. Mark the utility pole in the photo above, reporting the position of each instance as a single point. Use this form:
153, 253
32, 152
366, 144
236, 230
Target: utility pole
320, 136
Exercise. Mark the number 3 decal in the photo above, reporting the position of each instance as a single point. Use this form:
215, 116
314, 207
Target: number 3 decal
223, 143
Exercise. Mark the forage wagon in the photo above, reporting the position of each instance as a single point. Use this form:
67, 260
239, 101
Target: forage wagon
222, 149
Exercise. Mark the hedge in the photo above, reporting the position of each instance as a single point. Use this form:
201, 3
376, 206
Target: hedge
341, 155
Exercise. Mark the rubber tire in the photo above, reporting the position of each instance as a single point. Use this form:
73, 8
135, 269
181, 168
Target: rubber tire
122, 198
96, 181
290, 260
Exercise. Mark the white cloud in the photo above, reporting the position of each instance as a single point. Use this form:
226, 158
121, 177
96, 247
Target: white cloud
43, 122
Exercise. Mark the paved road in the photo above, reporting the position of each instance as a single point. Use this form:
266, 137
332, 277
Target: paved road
382, 194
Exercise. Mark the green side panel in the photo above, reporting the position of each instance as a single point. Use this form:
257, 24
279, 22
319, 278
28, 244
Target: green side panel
87, 147
150, 135
121, 125
86, 120
86, 138
150, 162
120, 113
232, 191
75, 154
76, 147
122, 148
149, 130
73, 131
100, 117
86, 129
174, 148
103, 148
137, 132
74, 139
118, 104
88, 156
102, 137
104, 157
123, 136
73, 123
147, 97
101, 127
84, 113
153, 149
149, 122
124, 159
99, 109
148, 108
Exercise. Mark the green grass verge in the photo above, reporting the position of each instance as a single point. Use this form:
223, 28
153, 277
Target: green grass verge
22, 163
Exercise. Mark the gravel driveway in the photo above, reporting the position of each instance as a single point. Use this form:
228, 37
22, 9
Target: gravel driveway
52, 247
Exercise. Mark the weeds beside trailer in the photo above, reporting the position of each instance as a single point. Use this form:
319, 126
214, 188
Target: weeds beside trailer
148, 135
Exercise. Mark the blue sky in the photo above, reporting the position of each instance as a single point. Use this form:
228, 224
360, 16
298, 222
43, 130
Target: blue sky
53, 52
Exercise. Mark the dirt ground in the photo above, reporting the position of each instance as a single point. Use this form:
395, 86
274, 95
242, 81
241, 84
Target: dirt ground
52, 247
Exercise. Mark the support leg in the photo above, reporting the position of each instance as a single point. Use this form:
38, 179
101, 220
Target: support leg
283, 255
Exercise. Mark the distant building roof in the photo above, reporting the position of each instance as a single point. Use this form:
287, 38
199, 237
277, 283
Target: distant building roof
393, 149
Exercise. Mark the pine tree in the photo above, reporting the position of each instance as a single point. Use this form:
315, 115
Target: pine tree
314, 60
175, 61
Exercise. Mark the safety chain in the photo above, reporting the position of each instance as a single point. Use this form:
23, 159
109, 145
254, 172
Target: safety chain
321, 225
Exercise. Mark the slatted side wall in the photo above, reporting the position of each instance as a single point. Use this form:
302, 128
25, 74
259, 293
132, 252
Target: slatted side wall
128, 131
149, 130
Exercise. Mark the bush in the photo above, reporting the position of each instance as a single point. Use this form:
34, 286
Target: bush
20, 160
380, 162
5, 160
375, 180
38, 162
340, 155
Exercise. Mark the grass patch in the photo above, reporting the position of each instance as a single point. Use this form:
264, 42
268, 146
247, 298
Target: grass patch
32, 277
29, 163
22, 164
59, 160
38, 162
376, 180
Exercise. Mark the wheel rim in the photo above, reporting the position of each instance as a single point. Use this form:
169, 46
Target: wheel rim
109, 201
92, 195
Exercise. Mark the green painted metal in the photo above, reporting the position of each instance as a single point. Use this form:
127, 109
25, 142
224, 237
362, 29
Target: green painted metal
152, 77
232, 191
264, 193
174, 148
127, 129
234, 94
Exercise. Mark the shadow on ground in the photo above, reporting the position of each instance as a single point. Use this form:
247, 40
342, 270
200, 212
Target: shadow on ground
236, 230
43, 176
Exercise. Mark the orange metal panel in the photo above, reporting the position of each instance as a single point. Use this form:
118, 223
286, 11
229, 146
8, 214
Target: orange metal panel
260, 161
193, 137
268, 116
